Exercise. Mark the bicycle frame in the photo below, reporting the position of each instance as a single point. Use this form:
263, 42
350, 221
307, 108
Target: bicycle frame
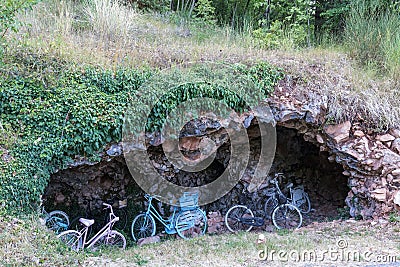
279, 192
106, 229
151, 210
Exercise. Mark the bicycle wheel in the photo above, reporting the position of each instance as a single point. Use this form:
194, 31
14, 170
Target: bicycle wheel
76, 225
287, 216
233, 218
269, 206
304, 204
57, 221
143, 226
113, 239
191, 223
72, 239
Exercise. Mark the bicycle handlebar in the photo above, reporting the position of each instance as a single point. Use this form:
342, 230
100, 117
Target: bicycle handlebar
148, 196
108, 206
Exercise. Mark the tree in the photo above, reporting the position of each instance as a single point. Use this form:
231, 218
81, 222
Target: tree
8, 12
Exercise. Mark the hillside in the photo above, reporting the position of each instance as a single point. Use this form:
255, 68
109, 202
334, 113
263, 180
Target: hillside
71, 69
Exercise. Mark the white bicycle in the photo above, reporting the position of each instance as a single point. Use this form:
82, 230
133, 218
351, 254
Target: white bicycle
76, 240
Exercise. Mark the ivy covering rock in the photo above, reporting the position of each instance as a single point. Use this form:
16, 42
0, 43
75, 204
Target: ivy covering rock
52, 112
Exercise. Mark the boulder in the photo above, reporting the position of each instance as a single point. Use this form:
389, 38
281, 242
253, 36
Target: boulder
385, 138
339, 132
148, 240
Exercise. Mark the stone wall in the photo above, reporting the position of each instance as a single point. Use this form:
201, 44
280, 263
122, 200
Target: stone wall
339, 164
371, 161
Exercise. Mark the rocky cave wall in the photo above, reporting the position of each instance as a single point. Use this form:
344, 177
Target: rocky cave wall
339, 164
302, 163
371, 161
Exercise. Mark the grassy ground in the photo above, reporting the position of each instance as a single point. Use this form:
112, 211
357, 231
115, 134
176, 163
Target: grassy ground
337, 243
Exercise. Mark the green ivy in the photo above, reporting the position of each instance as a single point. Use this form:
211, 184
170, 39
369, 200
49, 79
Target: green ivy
48, 118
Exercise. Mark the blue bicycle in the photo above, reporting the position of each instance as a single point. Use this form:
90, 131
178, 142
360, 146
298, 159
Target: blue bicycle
187, 219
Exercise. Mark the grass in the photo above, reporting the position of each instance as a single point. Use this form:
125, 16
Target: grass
107, 34
24, 242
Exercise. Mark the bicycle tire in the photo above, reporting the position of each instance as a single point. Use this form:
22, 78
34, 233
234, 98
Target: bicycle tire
57, 221
269, 206
113, 238
143, 226
191, 223
72, 239
233, 216
287, 216
76, 225
305, 207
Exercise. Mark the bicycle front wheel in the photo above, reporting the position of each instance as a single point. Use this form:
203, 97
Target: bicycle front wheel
72, 239
57, 221
233, 218
143, 226
112, 239
191, 223
287, 216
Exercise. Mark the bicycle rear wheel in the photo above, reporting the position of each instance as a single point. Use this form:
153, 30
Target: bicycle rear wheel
72, 239
269, 206
143, 226
57, 221
191, 223
112, 239
233, 218
287, 216
304, 204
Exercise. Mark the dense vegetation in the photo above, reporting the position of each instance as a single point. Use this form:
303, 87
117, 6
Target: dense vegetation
55, 112
368, 28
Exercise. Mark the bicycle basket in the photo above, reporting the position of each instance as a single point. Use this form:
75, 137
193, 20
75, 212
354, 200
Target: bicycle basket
297, 195
189, 201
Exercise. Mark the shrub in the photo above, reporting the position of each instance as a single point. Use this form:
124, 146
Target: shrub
372, 36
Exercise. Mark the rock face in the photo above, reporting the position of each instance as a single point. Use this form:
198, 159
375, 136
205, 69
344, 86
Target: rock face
86, 187
370, 161
338, 164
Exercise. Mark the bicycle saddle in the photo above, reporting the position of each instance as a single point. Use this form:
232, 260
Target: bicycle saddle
86, 222
290, 185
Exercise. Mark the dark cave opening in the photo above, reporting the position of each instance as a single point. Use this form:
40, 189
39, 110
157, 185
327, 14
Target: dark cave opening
303, 163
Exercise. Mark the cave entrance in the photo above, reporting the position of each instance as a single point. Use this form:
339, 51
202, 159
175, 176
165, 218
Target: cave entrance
82, 189
303, 163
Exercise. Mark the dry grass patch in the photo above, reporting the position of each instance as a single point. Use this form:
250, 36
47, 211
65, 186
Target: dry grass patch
108, 34
356, 238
